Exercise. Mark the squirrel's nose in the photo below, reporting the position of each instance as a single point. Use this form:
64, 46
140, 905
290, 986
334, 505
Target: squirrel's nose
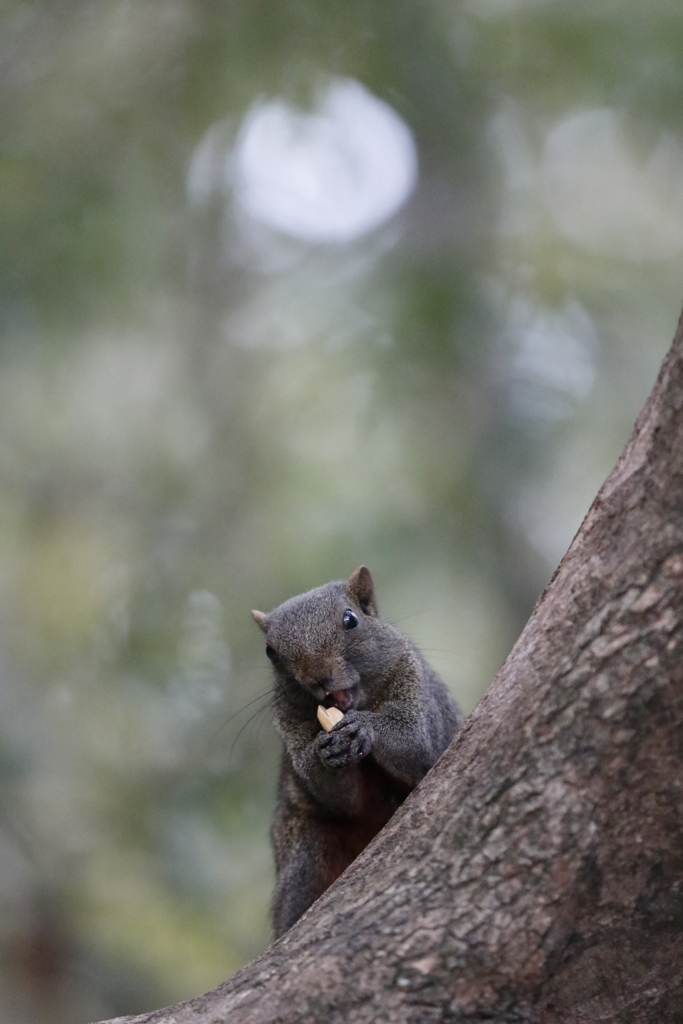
316, 683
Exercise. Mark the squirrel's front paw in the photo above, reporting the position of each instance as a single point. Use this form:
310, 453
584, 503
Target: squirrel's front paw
347, 743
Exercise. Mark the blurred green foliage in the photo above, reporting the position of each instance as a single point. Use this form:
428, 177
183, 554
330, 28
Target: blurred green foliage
188, 430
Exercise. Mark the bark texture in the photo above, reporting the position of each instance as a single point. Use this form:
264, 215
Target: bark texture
536, 875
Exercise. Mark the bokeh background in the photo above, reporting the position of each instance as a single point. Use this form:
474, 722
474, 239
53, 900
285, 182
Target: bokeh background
286, 286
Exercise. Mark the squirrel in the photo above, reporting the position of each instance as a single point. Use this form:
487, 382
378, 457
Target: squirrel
337, 789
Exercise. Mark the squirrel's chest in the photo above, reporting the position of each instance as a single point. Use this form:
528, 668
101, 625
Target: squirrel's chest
379, 793
379, 797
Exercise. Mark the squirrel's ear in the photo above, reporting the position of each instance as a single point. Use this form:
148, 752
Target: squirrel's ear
362, 589
261, 620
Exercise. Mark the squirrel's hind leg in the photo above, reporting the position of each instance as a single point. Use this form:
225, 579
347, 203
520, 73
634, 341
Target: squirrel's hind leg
310, 857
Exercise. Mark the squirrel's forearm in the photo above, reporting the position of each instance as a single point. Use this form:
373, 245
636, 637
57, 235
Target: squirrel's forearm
338, 790
402, 745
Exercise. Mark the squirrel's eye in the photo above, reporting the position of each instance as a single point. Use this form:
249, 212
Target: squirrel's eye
271, 653
350, 619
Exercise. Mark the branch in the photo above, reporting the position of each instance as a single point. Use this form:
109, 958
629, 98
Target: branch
537, 872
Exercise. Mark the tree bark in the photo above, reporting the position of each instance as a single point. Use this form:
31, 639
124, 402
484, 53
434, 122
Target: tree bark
537, 872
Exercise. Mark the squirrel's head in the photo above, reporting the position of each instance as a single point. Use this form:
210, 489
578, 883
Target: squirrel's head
317, 639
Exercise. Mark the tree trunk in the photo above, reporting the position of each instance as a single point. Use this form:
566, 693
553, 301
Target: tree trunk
537, 872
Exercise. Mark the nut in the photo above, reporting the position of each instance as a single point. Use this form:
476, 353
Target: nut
328, 717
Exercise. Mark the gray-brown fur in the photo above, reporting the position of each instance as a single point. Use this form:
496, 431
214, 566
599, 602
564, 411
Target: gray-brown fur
338, 789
